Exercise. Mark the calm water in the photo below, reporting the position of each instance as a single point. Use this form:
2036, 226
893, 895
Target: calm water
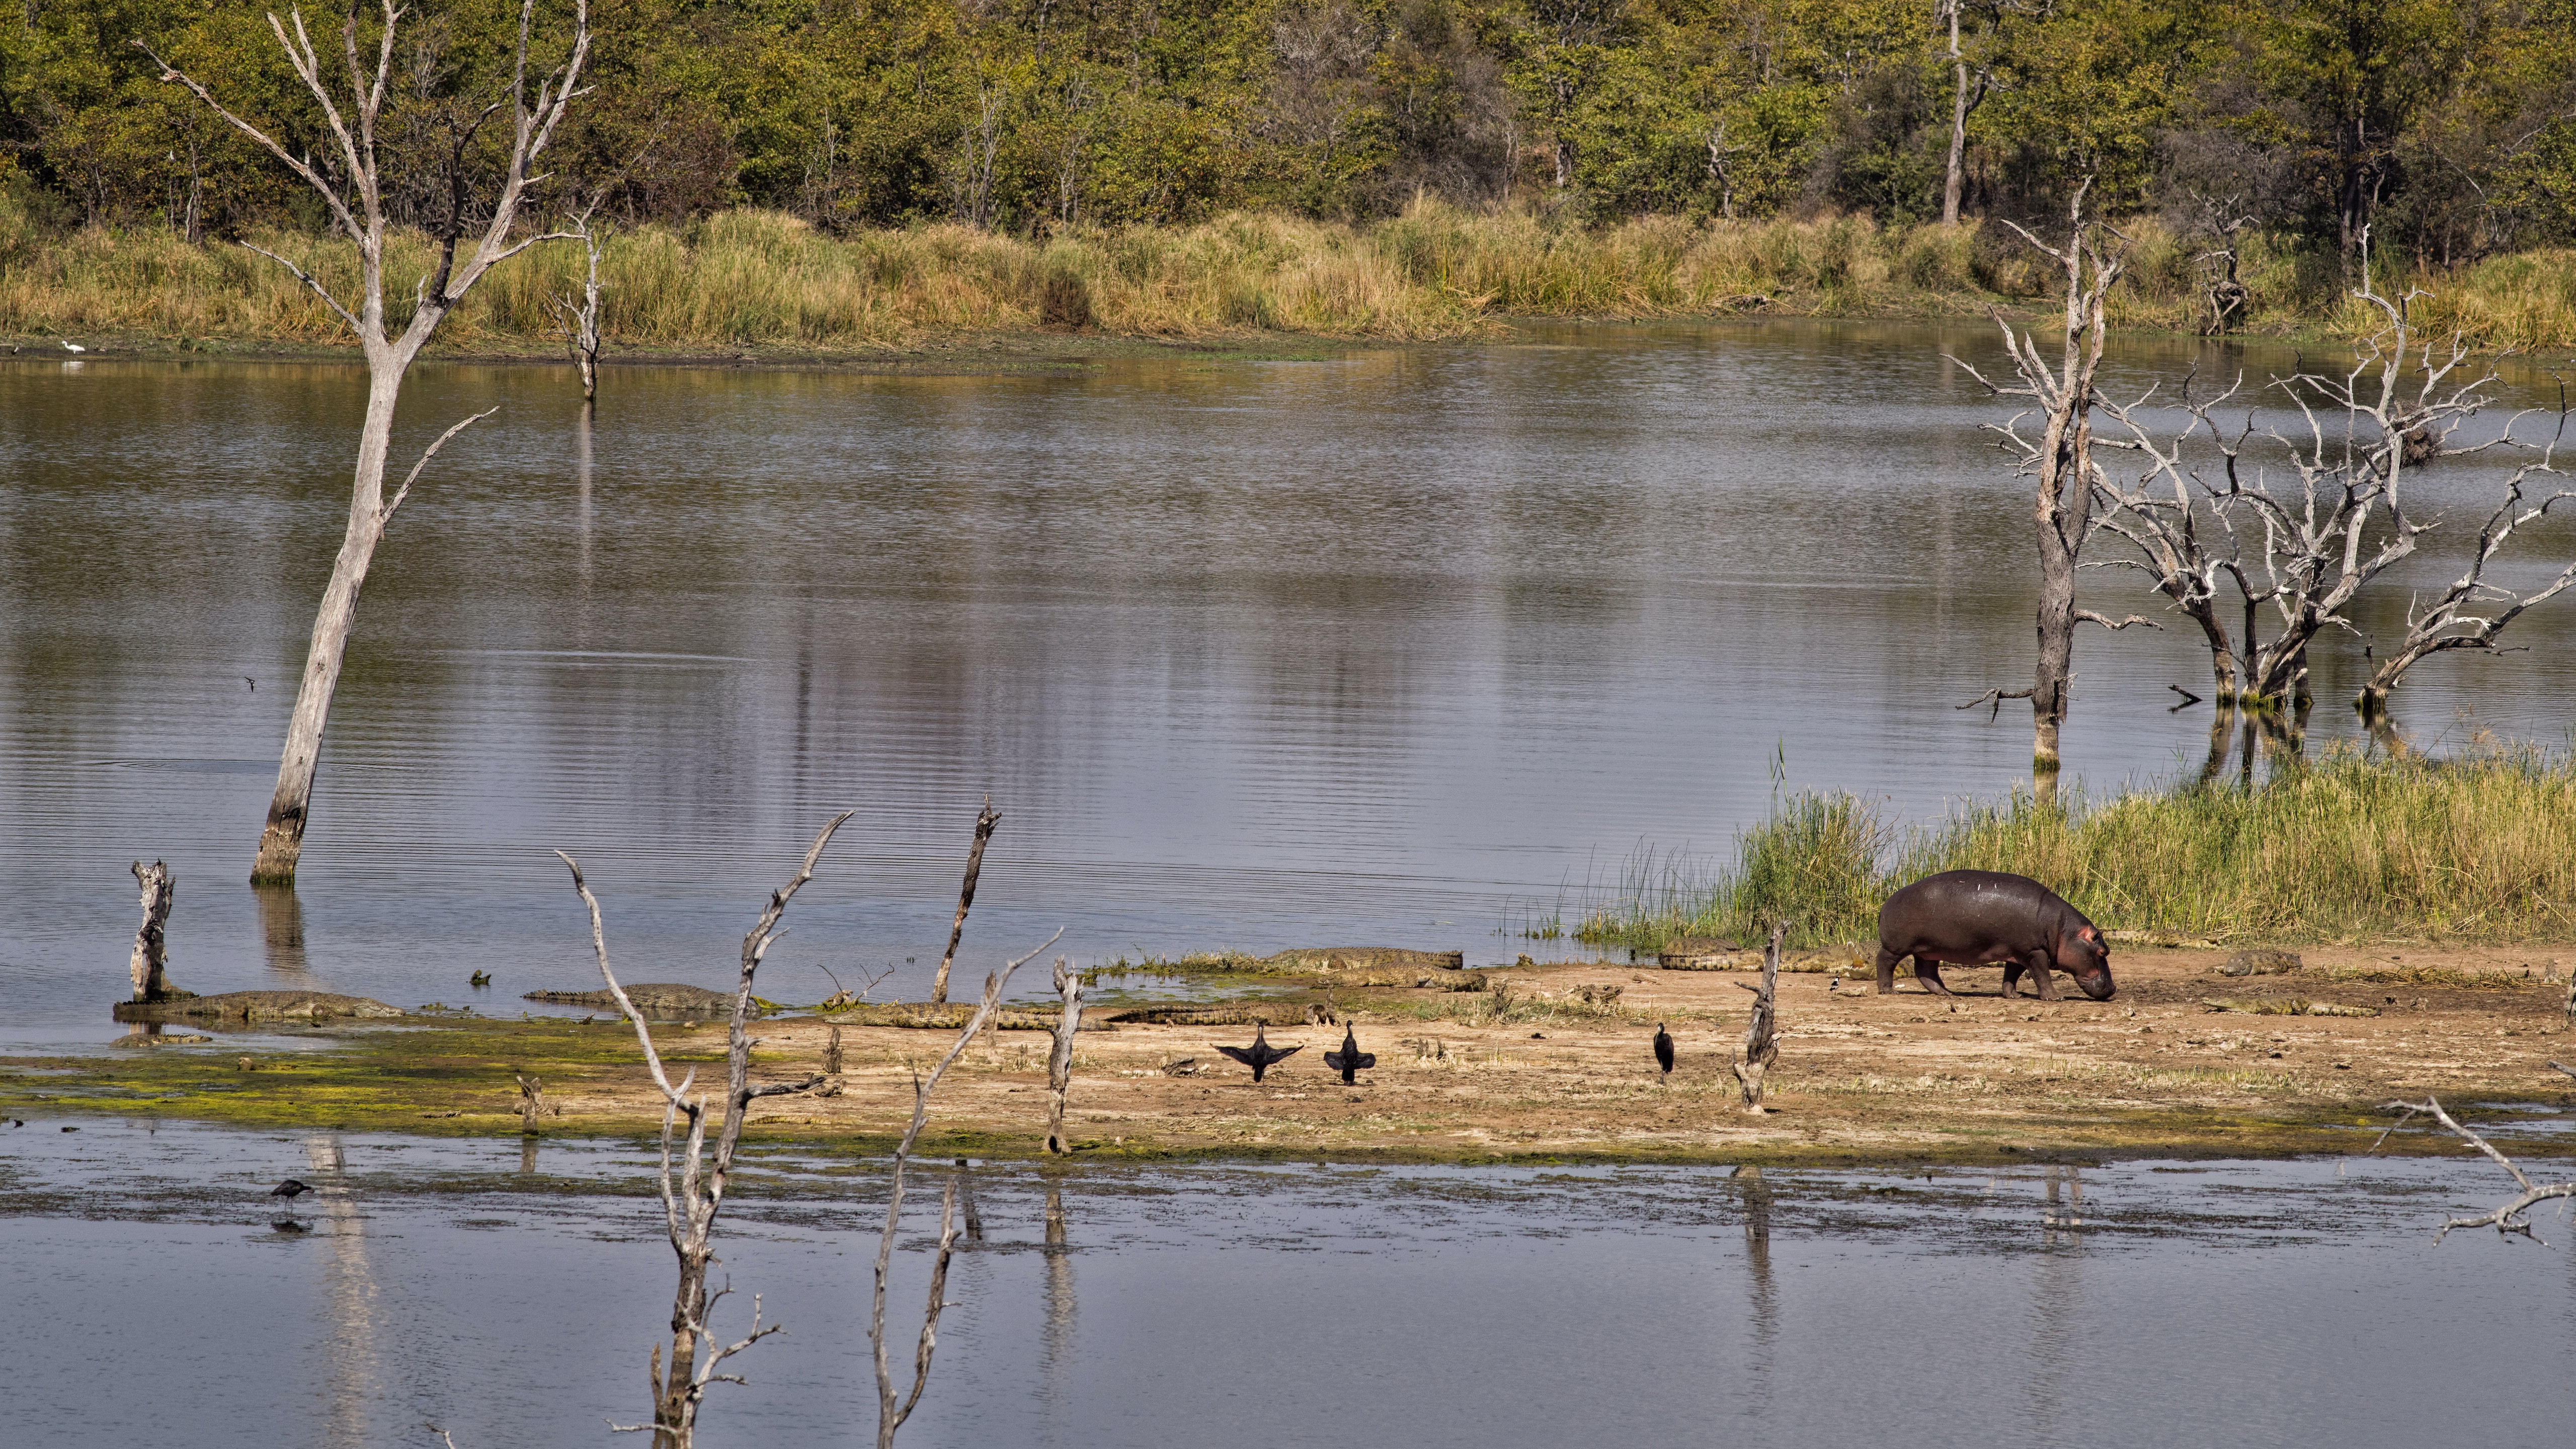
511, 1300
1405, 646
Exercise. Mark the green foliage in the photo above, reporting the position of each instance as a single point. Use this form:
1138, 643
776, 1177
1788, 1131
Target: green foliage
2439, 123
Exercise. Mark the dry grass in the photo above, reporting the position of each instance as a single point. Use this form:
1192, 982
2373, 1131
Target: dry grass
758, 277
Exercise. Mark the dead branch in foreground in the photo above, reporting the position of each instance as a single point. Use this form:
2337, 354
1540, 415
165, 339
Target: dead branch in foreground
1761, 1049
2507, 1219
890, 1415
692, 1195
985, 820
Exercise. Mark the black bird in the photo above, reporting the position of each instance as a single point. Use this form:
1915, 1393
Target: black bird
1350, 1060
1261, 1055
1664, 1050
289, 1189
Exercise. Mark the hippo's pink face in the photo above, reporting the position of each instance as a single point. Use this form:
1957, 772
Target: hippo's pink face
2087, 957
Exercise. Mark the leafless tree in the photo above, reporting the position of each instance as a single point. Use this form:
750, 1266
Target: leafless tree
2168, 517
578, 321
352, 183
890, 1412
693, 1190
1761, 1048
1068, 990
2510, 1218
2059, 460
2449, 621
2198, 501
985, 820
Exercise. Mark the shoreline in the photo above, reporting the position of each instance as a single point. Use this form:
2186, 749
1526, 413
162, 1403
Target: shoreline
1544, 1073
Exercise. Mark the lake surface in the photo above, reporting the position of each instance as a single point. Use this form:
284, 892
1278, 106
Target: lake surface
1406, 646
509, 1295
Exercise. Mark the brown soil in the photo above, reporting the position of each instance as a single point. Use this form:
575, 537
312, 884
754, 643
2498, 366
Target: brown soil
1860, 1076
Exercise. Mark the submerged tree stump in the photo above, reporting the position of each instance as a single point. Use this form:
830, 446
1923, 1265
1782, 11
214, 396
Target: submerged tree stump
151, 960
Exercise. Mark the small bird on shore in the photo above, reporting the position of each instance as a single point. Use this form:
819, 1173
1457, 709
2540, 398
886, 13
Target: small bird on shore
1261, 1055
1664, 1050
290, 1189
1350, 1060
71, 346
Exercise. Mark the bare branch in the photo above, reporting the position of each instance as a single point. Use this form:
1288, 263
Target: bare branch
309, 280
2087, 616
431, 452
890, 1414
2509, 1218
692, 1189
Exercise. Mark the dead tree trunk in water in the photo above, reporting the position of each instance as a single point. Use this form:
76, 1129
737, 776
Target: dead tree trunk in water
579, 321
693, 1191
352, 185
985, 820
1068, 989
1760, 1047
2060, 462
151, 958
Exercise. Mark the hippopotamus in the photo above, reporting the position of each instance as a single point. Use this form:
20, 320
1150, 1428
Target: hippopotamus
1975, 917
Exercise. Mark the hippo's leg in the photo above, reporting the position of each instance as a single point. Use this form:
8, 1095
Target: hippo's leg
2012, 979
1887, 960
2038, 963
1928, 971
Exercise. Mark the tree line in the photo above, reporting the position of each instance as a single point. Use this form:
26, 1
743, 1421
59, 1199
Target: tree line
2447, 127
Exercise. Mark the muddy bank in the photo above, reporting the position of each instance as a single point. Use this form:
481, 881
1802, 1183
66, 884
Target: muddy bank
1552, 1065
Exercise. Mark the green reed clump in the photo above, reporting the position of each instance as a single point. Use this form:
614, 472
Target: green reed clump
2349, 845
1815, 863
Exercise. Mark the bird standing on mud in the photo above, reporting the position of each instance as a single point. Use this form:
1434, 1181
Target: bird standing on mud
1350, 1060
290, 1189
1261, 1055
1664, 1050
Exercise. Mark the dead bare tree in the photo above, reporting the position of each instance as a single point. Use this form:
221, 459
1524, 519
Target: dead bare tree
1068, 990
1761, 1048
985, 820
2060, 461
890, 1413
2450, 621
578, 322
151, 959
692, 1190
2347, 522
2167, 516
2510, 1218
351, 182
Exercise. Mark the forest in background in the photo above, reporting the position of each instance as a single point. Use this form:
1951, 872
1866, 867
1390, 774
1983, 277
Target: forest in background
2242, 131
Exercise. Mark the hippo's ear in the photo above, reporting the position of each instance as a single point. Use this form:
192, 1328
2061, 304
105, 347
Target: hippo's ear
2089, 934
